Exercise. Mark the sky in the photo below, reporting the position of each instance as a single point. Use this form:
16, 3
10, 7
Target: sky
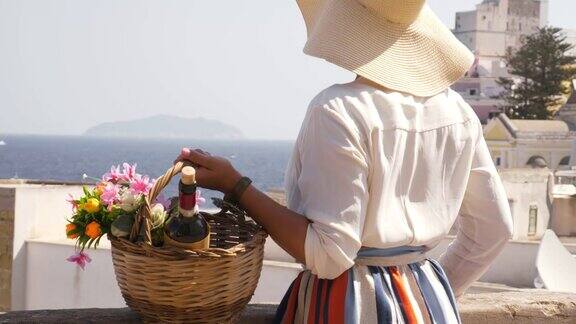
67, 65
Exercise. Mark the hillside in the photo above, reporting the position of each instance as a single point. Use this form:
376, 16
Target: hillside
166, 126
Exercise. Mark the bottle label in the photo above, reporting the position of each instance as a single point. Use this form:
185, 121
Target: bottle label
188, 201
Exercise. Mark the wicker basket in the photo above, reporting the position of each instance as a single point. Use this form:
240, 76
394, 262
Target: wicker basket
168, 284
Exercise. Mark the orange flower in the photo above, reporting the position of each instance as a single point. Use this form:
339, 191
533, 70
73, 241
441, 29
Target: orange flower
69, 228
93, 230
100, 188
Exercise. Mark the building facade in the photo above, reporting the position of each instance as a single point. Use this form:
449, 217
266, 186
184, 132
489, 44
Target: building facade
488, 31
496, 25
529, 143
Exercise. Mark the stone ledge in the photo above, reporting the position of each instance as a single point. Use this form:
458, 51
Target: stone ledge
525, 307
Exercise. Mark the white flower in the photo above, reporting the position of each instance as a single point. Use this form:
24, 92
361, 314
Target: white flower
158, 215
129, 202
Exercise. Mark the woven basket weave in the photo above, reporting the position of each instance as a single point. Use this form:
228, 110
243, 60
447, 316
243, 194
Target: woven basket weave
169, 284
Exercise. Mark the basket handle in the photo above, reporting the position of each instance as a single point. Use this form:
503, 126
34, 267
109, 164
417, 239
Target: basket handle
143, 218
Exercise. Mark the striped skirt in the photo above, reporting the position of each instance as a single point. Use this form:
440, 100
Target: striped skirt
416, 292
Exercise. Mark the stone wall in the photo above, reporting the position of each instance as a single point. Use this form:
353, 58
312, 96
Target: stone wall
563, 220
7, 198
525, 307
529, 307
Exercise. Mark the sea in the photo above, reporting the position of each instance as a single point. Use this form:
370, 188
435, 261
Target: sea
68, 158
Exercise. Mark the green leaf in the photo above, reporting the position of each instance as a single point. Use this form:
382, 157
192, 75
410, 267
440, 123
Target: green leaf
86, 191
97, 241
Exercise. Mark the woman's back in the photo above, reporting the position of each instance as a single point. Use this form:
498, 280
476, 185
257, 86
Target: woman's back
382, 169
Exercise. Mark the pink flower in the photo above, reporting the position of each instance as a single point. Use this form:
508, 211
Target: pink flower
141, 185
110, 194
161, 199
129, 172
114, 175
199, 199
72, 202
80, 258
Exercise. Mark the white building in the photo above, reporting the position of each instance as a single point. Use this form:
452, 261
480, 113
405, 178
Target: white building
479, 93
488, 31
528, 192
496, 25
571, 38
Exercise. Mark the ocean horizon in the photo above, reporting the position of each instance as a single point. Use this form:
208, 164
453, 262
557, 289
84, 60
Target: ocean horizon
67, 157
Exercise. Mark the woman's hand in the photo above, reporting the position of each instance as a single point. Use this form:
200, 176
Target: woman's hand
286, 227
212, 172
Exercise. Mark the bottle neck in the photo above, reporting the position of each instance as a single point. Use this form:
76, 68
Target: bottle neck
187, 200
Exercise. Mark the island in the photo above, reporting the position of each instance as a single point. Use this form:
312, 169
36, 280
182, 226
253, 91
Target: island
167, 126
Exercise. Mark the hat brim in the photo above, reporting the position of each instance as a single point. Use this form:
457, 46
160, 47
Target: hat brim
422, 58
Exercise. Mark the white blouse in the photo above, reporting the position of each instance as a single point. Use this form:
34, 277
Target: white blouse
381, 169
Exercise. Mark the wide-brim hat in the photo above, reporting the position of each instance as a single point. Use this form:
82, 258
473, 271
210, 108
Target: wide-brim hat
399, 44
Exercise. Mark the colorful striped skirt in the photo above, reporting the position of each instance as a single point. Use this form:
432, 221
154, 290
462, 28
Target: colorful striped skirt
415, 292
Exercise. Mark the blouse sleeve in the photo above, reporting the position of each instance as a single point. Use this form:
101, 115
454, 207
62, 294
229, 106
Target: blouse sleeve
333, 189
485, 223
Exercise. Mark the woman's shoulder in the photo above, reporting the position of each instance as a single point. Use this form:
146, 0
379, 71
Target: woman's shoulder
337, 108
339, 92
345, 102
369, 107
348, 101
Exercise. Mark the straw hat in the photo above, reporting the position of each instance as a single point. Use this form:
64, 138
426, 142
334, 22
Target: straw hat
399, 44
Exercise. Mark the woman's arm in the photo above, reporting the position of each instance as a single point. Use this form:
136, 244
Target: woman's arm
286, 227
485, 223
332, 193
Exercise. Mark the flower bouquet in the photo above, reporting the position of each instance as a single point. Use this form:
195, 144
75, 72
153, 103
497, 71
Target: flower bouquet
111, 207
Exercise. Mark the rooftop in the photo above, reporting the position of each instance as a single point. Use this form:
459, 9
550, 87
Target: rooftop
540, 126
505, 128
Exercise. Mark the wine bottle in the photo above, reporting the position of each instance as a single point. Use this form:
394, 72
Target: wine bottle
188, 229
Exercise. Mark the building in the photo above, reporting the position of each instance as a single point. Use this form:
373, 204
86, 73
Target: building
517, 143
571, 38
480, 94
488, 31
496, 25
530, 203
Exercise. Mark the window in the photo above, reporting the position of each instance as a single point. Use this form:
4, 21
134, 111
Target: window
565, 161
511, 203
498, 161
532, 220
472, 92
537, 161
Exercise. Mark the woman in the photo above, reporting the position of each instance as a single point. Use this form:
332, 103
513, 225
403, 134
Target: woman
380, 170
